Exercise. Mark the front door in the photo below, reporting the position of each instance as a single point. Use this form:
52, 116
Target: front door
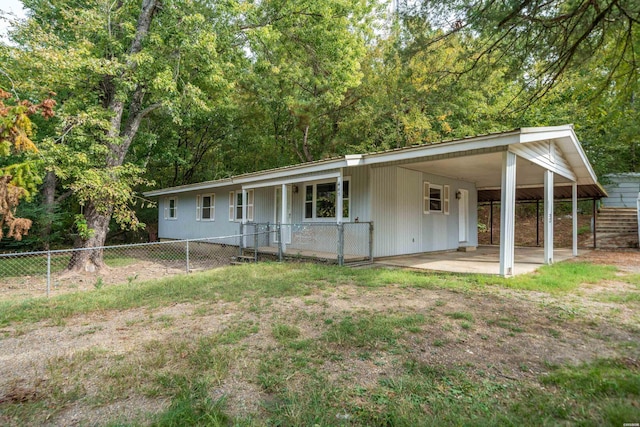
277, 214
463, 216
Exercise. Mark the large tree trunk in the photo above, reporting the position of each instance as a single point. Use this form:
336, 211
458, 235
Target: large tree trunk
86, 258
119, 137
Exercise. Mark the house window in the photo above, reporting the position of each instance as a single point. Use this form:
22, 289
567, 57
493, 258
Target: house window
435, 198
206, 207
320, 200
171, 208
236, 204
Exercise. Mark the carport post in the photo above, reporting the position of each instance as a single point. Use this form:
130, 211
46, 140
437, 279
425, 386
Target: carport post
507, 213
574, 216
548, 217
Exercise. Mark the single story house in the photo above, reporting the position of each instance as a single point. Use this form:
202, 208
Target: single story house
420, 198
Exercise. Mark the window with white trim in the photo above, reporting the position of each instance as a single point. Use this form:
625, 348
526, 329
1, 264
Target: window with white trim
320, 200
206, 207
171, 208
435, 198
236, 204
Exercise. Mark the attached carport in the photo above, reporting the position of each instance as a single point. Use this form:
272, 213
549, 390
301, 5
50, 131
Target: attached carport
545, 163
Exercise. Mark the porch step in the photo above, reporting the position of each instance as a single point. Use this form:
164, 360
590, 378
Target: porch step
618, 221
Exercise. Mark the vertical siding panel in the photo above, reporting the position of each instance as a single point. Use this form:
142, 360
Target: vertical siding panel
409, 211
360, 195
384, 210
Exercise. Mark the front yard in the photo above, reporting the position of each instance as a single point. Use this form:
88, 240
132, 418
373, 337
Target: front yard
300, 344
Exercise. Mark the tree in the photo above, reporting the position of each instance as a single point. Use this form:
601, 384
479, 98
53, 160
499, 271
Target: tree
18, 176
113, 65
307, 57
548, 39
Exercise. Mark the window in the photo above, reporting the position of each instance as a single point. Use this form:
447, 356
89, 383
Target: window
435, 198
235, 205
171, 208
320, 200
206, 207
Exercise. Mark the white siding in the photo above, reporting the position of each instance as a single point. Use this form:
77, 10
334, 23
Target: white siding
186, 226
409, 211
623, 190
384, 209
440, 231
360, 194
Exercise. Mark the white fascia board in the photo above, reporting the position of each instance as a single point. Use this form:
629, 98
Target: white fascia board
191, 187
481, 142
299, 179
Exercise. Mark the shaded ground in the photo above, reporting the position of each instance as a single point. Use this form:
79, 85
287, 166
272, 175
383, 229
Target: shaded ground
494, 332
525, 229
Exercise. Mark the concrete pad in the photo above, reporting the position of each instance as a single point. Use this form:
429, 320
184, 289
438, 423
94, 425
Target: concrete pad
485, 260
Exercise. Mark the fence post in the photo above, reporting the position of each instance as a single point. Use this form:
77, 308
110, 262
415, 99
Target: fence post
268, 234
341, 244
48, 272
371, 241
187, 250
255, 243
279, 232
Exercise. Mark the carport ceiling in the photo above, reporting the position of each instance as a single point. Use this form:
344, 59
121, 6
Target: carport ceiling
485, 171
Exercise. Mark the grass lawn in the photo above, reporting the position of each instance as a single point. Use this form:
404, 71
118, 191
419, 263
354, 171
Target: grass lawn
304, 344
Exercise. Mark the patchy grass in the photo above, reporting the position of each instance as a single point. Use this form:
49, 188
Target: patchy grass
560, 277
341, 360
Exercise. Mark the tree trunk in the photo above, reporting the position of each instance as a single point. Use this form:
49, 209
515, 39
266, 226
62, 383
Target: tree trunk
48, 198
85, 258
119, 138
305, 145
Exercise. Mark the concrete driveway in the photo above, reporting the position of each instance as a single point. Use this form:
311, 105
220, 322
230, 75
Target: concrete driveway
484, 260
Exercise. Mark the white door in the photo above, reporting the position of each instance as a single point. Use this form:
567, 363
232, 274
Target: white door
277, 214
463, 216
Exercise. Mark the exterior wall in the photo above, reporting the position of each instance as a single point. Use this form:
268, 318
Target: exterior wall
389, 196
185, 225
384, 207
623, 190
440, 231
401, 227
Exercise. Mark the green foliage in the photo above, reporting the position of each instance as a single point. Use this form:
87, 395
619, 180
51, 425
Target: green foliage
83, 228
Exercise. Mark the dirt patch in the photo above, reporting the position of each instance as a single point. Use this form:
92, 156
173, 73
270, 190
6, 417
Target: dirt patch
513, 335
30, 286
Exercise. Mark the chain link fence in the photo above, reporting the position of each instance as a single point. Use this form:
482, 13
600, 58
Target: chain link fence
47, 270
34, 273
344, 243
